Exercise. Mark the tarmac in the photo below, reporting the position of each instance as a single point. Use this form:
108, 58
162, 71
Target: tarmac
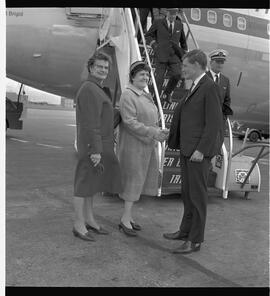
41, 250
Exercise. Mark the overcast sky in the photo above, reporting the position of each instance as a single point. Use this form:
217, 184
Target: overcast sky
34, 95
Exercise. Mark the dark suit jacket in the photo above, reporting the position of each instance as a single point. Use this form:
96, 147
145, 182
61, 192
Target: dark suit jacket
167, 48
224, 90
197, 121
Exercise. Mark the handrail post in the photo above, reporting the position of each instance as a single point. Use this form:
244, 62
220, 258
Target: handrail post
254, 162
225, 192
189, 30
19, 94
245, 139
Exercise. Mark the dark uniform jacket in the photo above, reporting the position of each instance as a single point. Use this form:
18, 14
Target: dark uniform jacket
224, 90
167, 48
197, 121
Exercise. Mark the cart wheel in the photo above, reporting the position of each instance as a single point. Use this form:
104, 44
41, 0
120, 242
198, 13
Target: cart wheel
246, 195
254, 136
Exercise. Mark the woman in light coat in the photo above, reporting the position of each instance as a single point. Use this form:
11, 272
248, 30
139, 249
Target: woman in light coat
139, 134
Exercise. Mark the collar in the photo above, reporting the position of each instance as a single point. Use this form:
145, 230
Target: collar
137, 91
168, 23
214, 74
196, 81
95, 80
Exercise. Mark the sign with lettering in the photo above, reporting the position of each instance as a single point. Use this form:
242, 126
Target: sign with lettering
240, 175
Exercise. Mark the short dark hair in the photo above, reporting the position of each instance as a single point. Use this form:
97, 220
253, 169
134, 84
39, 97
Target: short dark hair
137, 67
98, 56
196, 55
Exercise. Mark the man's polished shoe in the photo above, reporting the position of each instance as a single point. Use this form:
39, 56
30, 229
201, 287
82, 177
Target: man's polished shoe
126, 230
187, 247
98, 231
176, 235
87, 236
135, 226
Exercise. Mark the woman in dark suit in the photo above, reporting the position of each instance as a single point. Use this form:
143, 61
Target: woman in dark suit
97, 168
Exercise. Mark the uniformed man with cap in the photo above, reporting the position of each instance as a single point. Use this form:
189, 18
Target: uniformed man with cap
217, 59
167, 38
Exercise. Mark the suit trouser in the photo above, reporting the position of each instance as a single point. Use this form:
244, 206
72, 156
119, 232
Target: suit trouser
174, 70
143, 12
194, 194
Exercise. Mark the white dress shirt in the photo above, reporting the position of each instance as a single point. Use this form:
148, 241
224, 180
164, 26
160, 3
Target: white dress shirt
214, 75
168, 22
196, 81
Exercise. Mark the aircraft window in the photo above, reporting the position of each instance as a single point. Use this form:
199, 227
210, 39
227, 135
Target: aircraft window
212, 17
195, 14
227, 20
268, 29
241, 23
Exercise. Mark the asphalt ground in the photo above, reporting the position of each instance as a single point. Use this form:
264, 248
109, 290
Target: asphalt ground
41, 250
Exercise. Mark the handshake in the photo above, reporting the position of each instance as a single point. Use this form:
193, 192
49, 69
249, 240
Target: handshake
162, 135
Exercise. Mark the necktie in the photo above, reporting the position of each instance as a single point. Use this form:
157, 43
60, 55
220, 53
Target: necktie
216, 79
171, 29
189, 91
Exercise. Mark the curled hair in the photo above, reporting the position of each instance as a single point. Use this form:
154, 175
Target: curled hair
137, 67
196, 55
98, 56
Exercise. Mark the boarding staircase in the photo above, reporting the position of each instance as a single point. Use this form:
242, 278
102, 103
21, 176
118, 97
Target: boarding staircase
117, 30
171, 175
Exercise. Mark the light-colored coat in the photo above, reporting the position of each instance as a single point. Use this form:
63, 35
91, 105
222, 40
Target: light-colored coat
138, 149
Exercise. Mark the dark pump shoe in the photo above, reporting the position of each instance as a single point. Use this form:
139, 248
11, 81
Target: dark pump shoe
87, 236
135, 226
98, 231
176, 235
126, 230
187, 247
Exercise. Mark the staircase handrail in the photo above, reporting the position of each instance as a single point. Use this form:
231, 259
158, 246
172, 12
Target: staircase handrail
227, 177
151, 72
189, 30
161, 168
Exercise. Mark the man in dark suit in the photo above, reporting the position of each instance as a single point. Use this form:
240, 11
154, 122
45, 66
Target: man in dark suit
217, 59
196, 130
167, 38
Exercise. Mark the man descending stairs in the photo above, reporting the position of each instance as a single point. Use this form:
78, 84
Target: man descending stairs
167, 38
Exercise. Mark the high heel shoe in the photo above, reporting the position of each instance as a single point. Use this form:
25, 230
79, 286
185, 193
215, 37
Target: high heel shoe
126, 230
135, 226
86, 237
98, 231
